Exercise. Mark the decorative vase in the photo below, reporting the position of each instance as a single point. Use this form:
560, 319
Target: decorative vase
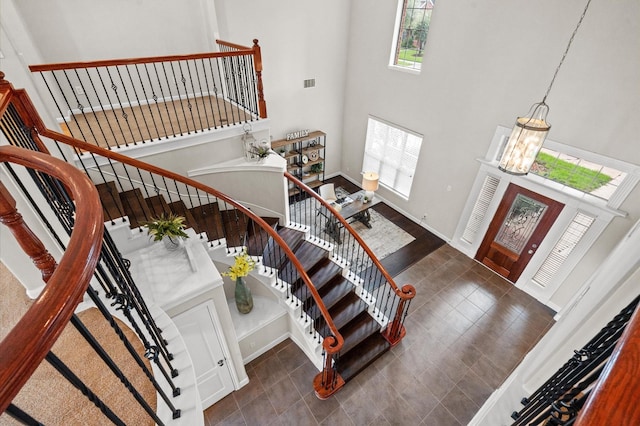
172, 243
244, 300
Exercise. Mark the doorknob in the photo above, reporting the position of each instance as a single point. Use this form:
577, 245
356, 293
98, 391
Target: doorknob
221, 362
534, 246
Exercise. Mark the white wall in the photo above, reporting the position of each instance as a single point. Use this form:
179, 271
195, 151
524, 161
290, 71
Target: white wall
485, 64
299, 40
80, 30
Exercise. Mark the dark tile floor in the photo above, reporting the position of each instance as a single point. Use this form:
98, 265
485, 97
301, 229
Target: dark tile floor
466, 331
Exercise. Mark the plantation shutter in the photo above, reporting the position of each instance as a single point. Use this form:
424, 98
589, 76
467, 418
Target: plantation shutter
563, 248
489, 187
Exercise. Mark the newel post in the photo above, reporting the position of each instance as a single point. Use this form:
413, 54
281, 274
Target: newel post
29, 242
395, 330
328, 381
257, 65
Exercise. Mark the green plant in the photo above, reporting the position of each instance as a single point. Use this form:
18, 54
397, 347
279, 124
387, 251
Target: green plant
262, 151
316, 168
171, 226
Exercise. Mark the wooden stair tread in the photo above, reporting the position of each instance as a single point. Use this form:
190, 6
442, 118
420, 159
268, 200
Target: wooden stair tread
111, 203
157, 205
135, 206
308, 255
320, 274
354, 361
346, 309
357, 330
333, 293
207, 220
235, 224
274, 257
180, 208
257, 237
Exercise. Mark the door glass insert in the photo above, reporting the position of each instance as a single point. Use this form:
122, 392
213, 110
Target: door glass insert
521, 221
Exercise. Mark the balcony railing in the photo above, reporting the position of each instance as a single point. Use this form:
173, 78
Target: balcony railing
123, 102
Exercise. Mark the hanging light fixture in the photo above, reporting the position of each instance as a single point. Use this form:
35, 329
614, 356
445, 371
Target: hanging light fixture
529, 132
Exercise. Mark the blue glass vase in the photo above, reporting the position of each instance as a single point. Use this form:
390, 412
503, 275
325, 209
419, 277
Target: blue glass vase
244, 300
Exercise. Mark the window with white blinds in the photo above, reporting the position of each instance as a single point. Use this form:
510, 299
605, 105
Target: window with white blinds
392, 152
563, 248
479, 211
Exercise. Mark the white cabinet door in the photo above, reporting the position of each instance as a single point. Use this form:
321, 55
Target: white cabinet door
201, 336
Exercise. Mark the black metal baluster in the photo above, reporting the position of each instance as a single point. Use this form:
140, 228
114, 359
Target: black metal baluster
123, 113
139, 104
155, 99
78, 384
104, 112
110, 102
170, 99
18, 414
85, 91
77, 323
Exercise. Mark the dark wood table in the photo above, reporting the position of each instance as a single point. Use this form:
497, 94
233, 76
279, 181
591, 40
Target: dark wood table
358, 209
353, 210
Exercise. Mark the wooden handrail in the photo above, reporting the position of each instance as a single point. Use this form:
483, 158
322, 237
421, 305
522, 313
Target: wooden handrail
232, 45
409, 292
614, 398
133, 61
26, 345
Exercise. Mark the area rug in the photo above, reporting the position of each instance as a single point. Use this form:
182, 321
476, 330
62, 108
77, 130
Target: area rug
383, 238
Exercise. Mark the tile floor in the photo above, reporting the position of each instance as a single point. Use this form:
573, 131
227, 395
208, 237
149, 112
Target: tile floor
466, 330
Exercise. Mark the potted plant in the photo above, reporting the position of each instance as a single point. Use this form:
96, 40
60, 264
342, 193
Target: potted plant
241, 267
168, 229
282, 152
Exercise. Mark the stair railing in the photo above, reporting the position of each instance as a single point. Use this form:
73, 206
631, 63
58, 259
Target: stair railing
598, 385
123, 102
192, 194
31, 339
308, 211
614, 397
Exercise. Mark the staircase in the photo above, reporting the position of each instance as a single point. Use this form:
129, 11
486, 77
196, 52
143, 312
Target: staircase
363, 341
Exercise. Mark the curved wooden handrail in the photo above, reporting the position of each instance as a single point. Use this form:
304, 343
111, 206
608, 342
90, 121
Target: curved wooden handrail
26, 345
410, 290
614, 398
187, 181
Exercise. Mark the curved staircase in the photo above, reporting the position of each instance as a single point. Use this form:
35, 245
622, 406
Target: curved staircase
363, 341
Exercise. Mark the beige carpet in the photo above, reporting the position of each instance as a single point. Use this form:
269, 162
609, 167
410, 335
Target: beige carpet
49, 397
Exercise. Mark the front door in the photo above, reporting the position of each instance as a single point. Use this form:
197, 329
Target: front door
517, 229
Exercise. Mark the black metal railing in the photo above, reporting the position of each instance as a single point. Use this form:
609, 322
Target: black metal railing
112, 275
326, 227
559, 400
123, 102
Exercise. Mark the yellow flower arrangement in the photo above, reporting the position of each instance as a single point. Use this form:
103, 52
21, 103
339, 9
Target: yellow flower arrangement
242, 266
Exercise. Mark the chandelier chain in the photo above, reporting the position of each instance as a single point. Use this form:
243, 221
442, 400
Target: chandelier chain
564, 55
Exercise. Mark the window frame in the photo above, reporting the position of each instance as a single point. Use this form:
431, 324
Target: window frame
400, 12
381, 161
632, 171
